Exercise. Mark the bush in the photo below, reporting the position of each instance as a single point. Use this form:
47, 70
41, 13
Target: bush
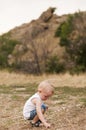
6, 47
73, 38
77, 53
53, 65
64, 31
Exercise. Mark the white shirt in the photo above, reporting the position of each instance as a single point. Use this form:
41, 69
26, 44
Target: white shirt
29, 106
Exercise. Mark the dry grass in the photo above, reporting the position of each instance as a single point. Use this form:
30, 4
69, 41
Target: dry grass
59, 80
67, 107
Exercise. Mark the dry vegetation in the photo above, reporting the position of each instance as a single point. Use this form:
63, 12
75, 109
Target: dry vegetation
67, 107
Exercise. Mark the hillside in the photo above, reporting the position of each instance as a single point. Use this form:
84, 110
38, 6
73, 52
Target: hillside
34, 45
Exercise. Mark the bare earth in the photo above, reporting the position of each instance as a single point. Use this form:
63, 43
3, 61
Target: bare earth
67, 108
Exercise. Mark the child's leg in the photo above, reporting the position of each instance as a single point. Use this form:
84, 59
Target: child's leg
36, 118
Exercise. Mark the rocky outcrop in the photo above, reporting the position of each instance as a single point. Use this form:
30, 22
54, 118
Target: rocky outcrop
46, 16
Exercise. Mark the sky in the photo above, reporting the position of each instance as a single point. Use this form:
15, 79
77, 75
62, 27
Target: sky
14, 13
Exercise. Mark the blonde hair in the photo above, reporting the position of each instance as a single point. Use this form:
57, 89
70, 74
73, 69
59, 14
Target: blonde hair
46, 86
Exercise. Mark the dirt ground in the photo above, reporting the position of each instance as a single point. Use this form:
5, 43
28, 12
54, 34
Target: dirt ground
67, 107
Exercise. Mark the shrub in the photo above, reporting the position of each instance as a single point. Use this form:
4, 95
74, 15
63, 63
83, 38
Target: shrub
64, 30
53, 65
73, 37
6, 47
77, 53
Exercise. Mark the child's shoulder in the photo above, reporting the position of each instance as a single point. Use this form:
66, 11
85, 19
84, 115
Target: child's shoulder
36, 95
36, 98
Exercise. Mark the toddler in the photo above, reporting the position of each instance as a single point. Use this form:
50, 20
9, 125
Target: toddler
34, 107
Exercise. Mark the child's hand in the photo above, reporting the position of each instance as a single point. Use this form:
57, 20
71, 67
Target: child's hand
47, 125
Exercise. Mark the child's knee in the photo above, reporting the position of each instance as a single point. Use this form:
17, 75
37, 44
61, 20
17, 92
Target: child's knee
44, 107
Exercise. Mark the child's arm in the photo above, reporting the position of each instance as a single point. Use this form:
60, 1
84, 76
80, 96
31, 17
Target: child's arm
40, 114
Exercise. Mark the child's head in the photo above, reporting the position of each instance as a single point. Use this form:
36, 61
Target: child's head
45, 90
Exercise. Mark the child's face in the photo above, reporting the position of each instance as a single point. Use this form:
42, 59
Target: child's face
45, 95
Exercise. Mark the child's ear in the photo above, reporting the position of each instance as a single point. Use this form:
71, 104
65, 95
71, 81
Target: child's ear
39, 91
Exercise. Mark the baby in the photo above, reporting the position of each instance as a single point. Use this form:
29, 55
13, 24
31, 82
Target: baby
34, 107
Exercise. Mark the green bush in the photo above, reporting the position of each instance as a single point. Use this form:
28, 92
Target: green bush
53, 65
64, 31
3, 60
73, 38
58, 30
77, 53
6, 47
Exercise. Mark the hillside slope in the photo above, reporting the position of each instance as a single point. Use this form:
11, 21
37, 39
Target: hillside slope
34, 44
